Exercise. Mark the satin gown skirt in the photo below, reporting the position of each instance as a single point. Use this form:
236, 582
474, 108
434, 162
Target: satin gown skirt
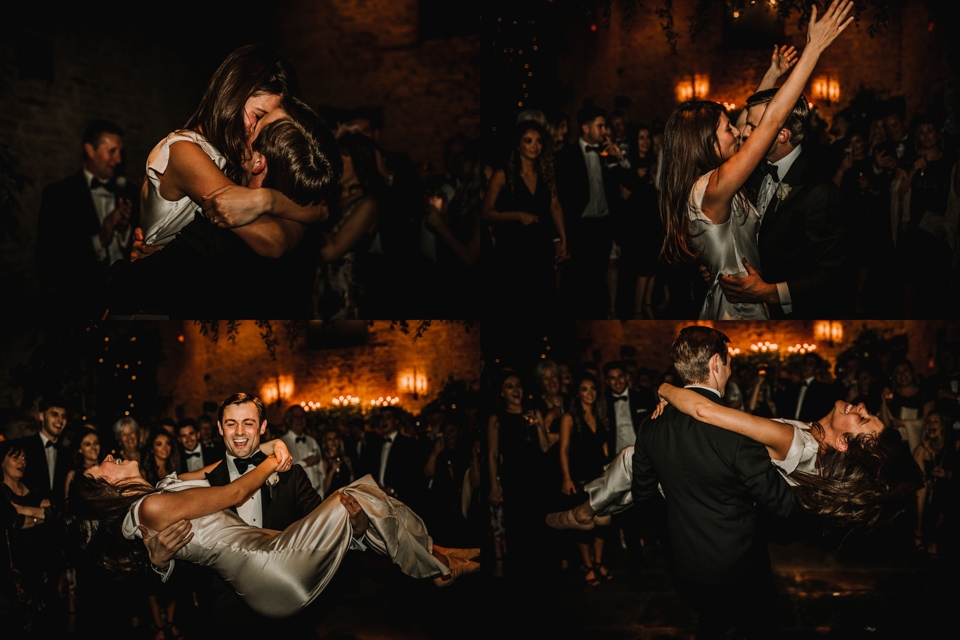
612, 492
278, 573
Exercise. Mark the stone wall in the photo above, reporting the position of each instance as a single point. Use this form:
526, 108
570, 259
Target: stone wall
907, 59
196, 369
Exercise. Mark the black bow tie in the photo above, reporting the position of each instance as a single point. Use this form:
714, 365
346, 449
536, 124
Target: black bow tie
619, 398
193, 455
770, 168
595, 149
300, 439
244, 463
110, 186
50, 443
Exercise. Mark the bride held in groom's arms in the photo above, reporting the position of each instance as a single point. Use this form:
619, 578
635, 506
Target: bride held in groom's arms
706, 213
277, 573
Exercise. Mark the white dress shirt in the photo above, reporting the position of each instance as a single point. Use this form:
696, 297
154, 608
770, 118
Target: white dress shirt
626, 436
51, 455
250, 511
194, 458
104, 202
301, 451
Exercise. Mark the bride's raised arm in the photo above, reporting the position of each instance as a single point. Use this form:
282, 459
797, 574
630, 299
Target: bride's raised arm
776, 436
160, 510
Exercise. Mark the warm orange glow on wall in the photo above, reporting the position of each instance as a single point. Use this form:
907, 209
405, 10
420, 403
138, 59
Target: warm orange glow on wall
696, 87
826, 89
828, 331
280, 388
412, 382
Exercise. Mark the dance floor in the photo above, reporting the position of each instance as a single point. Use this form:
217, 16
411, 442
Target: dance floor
820, 597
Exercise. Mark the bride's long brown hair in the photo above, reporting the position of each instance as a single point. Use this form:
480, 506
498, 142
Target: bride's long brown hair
689, 151
94, 518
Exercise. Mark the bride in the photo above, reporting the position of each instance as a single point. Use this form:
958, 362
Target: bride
706, 214
277, 573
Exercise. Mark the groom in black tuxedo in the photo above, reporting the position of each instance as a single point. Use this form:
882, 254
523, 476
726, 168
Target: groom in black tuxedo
241, 421
804, 229
715, 483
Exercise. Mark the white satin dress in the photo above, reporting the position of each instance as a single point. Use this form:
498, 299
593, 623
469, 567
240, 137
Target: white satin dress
722, 248
278, 573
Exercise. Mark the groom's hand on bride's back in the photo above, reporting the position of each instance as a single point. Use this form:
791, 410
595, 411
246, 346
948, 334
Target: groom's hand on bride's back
750, 288
161, 547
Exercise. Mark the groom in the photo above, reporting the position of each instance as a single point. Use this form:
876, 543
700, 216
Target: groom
803, 230
241, 421
715, 483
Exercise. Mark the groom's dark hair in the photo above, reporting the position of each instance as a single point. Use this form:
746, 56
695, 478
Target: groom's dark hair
693, 349
243, 398
302, 156
796, 122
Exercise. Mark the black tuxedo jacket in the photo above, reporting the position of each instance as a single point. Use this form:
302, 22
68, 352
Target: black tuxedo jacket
642, 404
804, 242
292, 498
712, 479
196, 275
817, 401
64, 254
404, 472
37, 474
573, 183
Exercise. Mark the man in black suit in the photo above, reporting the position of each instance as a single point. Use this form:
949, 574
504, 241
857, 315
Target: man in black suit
396, 462
241, 422
810, 399
195, 274
588, 177
626, 410
48, 462
84, 222
715, 482
803, 230
193, 455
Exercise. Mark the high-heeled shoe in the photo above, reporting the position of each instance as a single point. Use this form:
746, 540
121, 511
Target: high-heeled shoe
566, 520
458, 568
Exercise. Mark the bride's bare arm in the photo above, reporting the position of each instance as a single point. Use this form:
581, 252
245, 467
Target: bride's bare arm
190, 172
776, 436
160, 510
199, 474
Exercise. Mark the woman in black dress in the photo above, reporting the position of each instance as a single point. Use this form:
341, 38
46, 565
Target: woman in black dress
516, 442
583, 452
530, 237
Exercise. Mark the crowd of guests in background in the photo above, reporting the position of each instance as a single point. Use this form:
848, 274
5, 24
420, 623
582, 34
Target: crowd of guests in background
901, 203
482, 475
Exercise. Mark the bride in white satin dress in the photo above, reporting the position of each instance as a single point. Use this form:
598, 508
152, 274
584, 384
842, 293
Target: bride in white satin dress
277, 573
706, 215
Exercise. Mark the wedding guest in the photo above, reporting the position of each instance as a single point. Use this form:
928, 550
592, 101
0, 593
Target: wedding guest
904, 403
352, 265
49, 460
936, 498
528, 223
84, 223
337, 465
193, 454
923, 236
303, 448
588, 179
33, 545
87, 455
126, 433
